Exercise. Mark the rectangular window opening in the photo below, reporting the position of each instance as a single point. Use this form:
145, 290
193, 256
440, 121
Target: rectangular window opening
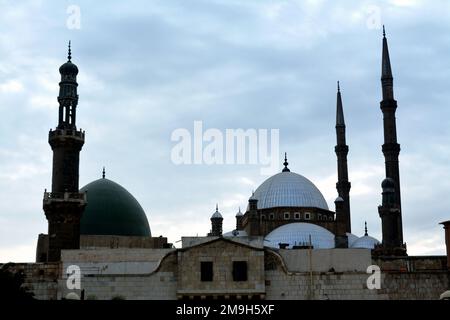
239, 270
206, 271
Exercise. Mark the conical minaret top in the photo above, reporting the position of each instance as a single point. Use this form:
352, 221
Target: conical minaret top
339, 110
386, 71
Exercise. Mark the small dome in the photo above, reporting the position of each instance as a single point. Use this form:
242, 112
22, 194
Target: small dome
72, 296
339, 199
216, 214
239, 213
68, 68
388, 183
112, 210
289, 189
297, 234
351, 238
366, 242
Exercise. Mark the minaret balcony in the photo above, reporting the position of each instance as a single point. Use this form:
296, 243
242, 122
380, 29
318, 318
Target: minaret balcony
77, 134
76, 197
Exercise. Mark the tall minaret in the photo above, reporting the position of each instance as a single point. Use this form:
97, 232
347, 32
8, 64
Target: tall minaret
391, 148
343, 185
64, 205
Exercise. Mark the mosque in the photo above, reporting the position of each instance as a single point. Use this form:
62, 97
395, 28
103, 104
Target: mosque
287, 244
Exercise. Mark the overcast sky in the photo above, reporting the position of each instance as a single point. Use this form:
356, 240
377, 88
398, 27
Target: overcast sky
148, 68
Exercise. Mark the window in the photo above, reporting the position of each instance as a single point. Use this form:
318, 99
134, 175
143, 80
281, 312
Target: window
206, 270
239, 270
297, 216
272, 216
307, 216
287, 216
319, 217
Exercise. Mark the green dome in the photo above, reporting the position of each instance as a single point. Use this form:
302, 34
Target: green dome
112, 210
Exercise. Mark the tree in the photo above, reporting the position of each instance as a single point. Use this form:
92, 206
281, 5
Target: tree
11, 284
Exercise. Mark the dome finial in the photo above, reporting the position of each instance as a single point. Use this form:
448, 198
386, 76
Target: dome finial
69, 56
365, 229
217, 207
384, 32
103, 173
339, 88
286, 169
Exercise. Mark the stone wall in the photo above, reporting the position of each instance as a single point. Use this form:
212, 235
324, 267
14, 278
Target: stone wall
125, 279
319, 286
336, 286
272, 274
112, 242
40, 278
401, 278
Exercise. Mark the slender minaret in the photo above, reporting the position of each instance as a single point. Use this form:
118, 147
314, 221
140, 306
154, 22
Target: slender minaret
64, 205
391, 148
343, 185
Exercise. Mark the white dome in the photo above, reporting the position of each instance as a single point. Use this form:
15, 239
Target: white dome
297, 234
351, 239
366, 242
289, 189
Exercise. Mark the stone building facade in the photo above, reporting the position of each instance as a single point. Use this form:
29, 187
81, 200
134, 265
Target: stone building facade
278, 274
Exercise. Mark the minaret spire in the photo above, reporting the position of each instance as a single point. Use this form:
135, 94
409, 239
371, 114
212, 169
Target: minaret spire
285, 164
69, 55
343, 185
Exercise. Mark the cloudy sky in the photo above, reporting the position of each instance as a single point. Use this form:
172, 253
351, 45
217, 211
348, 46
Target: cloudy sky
148, 68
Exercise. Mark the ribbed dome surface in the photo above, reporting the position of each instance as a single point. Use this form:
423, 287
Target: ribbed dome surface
289, 189
297, 234
366, 242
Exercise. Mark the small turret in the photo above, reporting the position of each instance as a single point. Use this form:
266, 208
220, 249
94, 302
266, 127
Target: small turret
216, 223
239, 217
